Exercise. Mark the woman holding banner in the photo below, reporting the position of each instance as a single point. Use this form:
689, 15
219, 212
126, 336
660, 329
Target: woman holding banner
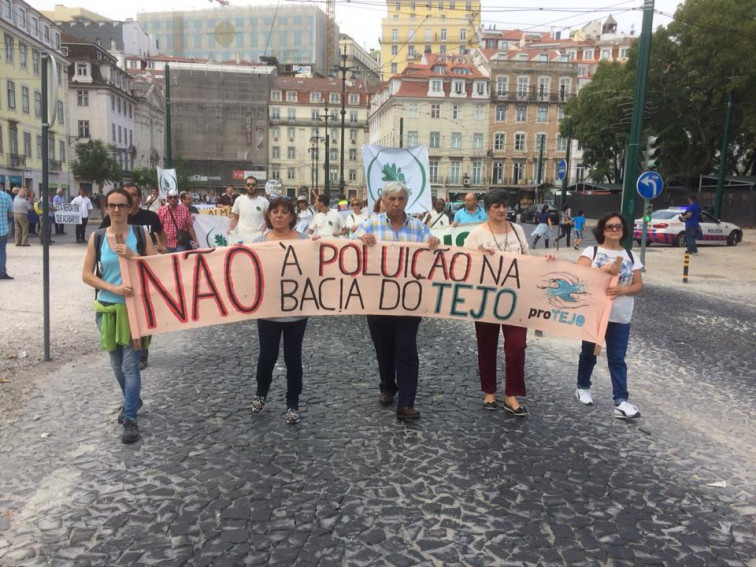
611, 257
497, 234
102, 271
281, 220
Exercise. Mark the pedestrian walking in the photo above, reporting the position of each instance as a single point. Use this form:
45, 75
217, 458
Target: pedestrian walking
692, 218
6, 208
565, 224
85, 207
395, 337
579, 223
21, 208
178, 224
543, 228
281, 219
610, 257
498, 234
102, 271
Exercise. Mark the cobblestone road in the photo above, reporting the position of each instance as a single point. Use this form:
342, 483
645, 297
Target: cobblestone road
211, 484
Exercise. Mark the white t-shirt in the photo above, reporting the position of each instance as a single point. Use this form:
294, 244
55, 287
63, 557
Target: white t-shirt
512, 242
436, 220
353, 220
327, 225
303, 219
84, 204
622, 306
251, 212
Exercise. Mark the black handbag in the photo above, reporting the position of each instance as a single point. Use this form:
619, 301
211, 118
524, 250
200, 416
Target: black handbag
182, 236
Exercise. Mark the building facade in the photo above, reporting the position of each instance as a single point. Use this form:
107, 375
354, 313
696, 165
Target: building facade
26, 35
365, 65
101, 102
413, 28
297, 111
149, 123
293, 34
442, 102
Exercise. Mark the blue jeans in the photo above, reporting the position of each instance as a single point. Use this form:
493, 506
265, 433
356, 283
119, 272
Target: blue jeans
617, 337
269, 333
690, 238
395, 341
125, 363
3, 256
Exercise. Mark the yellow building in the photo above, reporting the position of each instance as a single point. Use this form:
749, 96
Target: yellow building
26, 34
413, 28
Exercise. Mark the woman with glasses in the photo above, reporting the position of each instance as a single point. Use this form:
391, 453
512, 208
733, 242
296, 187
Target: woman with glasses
355, 218
119, 240
281, 220
610, 257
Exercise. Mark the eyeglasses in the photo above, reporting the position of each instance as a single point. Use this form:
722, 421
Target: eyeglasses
613, 227
251, 184
118, 206
172, 197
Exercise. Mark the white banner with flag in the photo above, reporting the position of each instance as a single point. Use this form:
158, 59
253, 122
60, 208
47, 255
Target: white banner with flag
166, 181
211, 230
406, 165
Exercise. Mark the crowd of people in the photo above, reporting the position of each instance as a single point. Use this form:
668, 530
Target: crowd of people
130, 229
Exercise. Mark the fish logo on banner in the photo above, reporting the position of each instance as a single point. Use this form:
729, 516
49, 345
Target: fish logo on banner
166, 181
409, 166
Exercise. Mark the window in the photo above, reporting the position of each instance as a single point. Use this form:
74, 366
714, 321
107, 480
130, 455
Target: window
435, 111
428, 35
275, 152
522, 86
112, 102
83, 128
443, 48
481, 88
394, 49
291, 96
291, 173
62, 151
22, 59
456, 140
412, 138
11, 87
276, 173
276, 132
477, 141
501, 113
521, 113
118, 105
316, 97
291, 153
81, 70
291, 132
22, 18
411, 49
587, 54
354, 98
436, 86
498, 172
9, 48
435, 140
413, 110
393, 69
352, 154
112, 133
623, 53
502, 83
543, 113
518, 170
353, 116
291, 113
334, 98
275, 96
398, 6
540, 140
462, 35
352, 175
560, 113
38, 104
39, 147
25, 100
456, 112
443, 34
433, 173
60, 112
564, 88
479, 112
451, 5
35, 62
458, 87
454, 169
275, 113
544, 85
314, 114
27, 145
499, 140
520, 142
561, 143
120, 138
395, 35
477, 172
353, 135
606, 54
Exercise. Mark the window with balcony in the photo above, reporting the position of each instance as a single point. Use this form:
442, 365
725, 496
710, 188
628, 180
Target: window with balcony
22, 55
502, 84
477, 172
38, 104
275, 113
435, 140
9, 48
27, 145
519, 142
498, 172
587, 54
544, 85
523, 84
290, 133
25, 100
291, 113
62, 151
454, 168
564, 88
561, 143
499, 141
518, 171
353, 117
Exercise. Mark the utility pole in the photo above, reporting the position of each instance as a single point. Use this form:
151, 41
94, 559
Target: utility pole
723, 158
315, 140
343, 69
45, 220
565, 180
636, 129
168, 152
326, 164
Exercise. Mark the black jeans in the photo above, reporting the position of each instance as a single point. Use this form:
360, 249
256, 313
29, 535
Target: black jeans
270, 333
81, 230
565, 230
395, 341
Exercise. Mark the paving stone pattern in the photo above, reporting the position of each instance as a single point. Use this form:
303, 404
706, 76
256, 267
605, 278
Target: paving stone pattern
212, 484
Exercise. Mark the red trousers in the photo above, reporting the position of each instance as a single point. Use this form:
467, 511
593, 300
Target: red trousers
515, 341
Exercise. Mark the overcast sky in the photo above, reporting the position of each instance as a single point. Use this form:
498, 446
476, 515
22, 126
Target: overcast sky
362, 18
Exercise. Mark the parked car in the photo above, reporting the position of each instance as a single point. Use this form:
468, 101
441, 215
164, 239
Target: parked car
667, 228
528, 214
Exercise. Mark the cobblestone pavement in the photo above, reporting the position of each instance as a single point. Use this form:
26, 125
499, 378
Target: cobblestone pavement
211, 484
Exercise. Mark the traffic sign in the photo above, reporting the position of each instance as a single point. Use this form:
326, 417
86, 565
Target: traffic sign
649, 185
561, 169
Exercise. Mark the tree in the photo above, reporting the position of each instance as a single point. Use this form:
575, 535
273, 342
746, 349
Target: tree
94, 162
144, 177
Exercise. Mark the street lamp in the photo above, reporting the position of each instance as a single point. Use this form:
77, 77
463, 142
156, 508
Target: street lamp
315, 140
326, 165
343, 69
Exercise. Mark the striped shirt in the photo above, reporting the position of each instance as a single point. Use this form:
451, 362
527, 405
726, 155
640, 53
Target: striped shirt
379, 226
6, 206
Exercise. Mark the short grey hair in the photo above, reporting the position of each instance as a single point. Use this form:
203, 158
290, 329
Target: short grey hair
394, 187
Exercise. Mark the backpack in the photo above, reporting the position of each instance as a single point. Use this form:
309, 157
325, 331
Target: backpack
100, 234
629, 253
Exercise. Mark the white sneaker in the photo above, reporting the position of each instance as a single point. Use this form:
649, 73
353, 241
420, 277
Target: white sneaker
626, 411
584, 397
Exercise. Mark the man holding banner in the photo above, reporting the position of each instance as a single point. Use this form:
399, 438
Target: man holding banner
395, 336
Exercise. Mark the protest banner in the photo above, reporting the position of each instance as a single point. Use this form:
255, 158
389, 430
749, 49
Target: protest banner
216, 210
167, 181
409, 166
211, 230
66, 213
304, 277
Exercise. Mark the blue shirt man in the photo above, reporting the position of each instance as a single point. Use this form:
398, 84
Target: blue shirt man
692, 217
6, 206
471, 213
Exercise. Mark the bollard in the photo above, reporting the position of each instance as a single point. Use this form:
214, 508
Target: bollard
686, 265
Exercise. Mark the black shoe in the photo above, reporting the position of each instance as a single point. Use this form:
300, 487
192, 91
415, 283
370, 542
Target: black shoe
130, 431
6, 277
407, 414
386, 398
490, 405
143, 364
522, 411
120, 411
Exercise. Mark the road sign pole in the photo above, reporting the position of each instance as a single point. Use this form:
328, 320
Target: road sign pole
644, 232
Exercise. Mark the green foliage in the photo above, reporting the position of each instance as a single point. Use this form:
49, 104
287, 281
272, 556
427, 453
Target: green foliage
94, 162
144, 177
392, 173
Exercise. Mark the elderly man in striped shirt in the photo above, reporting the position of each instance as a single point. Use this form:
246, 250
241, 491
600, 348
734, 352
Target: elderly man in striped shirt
395, 337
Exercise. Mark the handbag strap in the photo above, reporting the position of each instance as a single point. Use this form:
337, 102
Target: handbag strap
173, 218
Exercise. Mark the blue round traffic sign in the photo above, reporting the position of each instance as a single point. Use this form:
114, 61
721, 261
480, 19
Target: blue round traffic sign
649, 185
562, 169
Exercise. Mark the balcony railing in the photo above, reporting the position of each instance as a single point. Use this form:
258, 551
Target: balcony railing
17, 160
55, 165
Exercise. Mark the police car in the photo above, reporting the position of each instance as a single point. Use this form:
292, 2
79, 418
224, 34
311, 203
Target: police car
667, 228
